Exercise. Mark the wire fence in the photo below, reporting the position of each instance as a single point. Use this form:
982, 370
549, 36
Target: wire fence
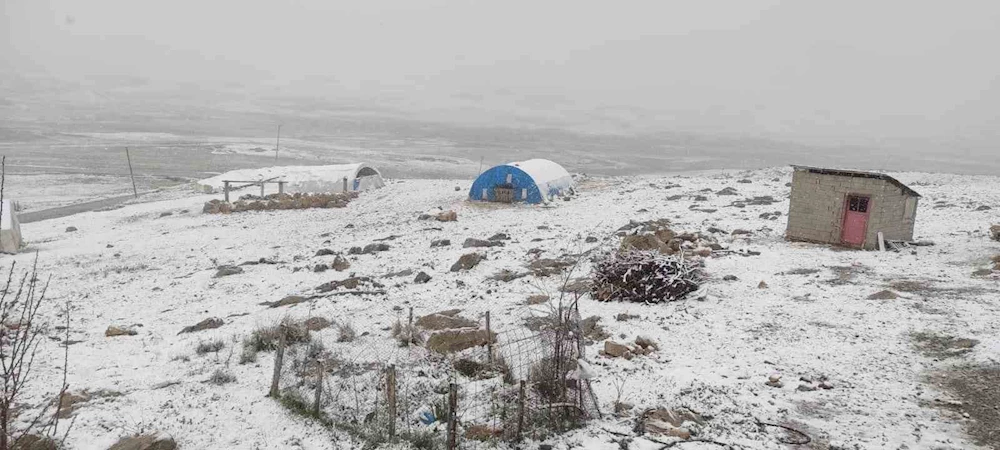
487, 388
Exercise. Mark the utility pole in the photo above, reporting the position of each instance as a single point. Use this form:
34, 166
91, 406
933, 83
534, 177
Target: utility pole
277, 142
130, 174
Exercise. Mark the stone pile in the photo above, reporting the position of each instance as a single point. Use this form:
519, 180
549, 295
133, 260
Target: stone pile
275, 202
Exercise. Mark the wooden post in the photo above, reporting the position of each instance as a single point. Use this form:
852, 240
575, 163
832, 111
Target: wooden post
225, 190
277, 142
319, 386
345, 185
520, 411
281, 187
130, 174
410, 322
489, 340
452, 416
261, 189
390, 397
278, 357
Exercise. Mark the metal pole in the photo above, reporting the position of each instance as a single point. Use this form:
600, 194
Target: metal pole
277, 142
132, 175
390, 393
225, 190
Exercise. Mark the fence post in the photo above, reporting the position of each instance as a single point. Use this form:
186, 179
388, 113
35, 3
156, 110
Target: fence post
390, 397
279, 355
261, 189
319, 386
520, 411
489, 340
225, 190
410, 323
281, 187
452, 416
345, 185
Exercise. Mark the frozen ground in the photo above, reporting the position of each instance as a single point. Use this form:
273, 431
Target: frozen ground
131, 266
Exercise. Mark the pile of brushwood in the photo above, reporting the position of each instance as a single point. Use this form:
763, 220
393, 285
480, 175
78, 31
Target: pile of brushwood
630, 275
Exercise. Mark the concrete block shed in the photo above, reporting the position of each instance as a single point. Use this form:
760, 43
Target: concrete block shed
849, 208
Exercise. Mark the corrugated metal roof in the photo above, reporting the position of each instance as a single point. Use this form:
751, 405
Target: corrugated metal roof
860, 174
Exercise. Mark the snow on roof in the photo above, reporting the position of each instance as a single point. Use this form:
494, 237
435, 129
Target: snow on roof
546, 174
299, 178
862, 174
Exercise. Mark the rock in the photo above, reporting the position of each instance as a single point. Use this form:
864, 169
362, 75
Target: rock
499, 237
369, 249
422, 278
745, 181
614, 349
805, 388
113, 331
646, 242
341, 264
537, 299
479, 243
665, 429
440, 243
207, 324
320, 268
995, 232
983, 208
670, 422
166, 214
774, 381
288, 301
316, 323
883, 295
325, 252
467, 262
225, 271
35, 442
144, 442
577, 286
452, 341
590, 239
445, 320
730, 278
401, 273
982, 273
826, 385
592, 329
70, 229
727, 191
447, 216
348, 283
762, 285
738, 232
646, 342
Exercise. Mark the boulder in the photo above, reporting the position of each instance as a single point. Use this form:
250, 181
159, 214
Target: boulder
340, 264
995, 232
225, 271
349, 283
614, 349
144, 442
479, 243
325, 252
727, 191
590, 239
422, 278
646, 342
447, 216
440, 243
467, 262
320, 268
884, 295
207, 324
113, 331
70, 229
499, 237
453, 341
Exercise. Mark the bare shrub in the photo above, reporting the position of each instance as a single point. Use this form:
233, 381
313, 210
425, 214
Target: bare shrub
345, 332
407, 334
205, 347
644, 277
265, 339
221, 376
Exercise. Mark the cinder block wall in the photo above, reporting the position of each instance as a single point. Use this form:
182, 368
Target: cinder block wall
816, 208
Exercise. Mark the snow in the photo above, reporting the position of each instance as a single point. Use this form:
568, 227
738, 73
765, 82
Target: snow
715, 355
329, 178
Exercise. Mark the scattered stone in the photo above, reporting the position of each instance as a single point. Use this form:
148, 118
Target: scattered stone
592, 329
995, 232
207, 324
453, 341
614, 349
507, 275
144, 442
349, 283
739, 231
467, 262
70, 229
479, 243
340, 264
826, 385
447, 216
320, 268
445, 320
422, 278
69, 403
590, 239
401, 273
805, 388
325, 252
499, 237
730, 278
982, 273
440, 243
884, 295
166, 214
623, 317
672, 423
745, 181
762, 285
646, 342
544, 267
537, 299
114, 331
774, 381
727, 191
983, 208
369, 249
225, 271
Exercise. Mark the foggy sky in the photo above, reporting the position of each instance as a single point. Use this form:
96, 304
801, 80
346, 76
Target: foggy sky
811, 69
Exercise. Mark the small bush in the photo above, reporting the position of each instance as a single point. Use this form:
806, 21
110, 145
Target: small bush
222, 376
407, 334
346, 333
265, 339
205, 347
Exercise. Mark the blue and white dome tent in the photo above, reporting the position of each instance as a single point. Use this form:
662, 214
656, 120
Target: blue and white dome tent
532, 181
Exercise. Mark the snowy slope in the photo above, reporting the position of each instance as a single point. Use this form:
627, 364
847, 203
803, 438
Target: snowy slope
131, 266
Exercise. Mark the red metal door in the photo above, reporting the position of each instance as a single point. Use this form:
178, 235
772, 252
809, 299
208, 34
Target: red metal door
855, 220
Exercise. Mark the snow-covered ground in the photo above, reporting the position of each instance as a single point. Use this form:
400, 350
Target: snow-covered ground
131, 266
